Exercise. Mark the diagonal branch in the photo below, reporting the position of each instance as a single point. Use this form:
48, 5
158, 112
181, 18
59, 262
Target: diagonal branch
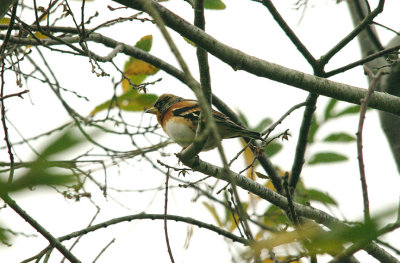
142, 216
291, 35
302, 141
240, 60
267, 194
342, 43
54, 242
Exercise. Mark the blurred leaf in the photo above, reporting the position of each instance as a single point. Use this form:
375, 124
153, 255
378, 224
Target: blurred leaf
272, 148
214, 4
137, 67
134, 79
334, 240
37, 35
137, 70
327, 157
145, 43
213, 212
328, 110
131, 100
313, 129
64, 142
262, 176
349, 110
139, 103
4, 238
243, 118
234, 218
189, 41
316, 195
281, 259
36, 177
248, 158
5, 21
339, 137
264, 123
270, 185
274, 217
45, 172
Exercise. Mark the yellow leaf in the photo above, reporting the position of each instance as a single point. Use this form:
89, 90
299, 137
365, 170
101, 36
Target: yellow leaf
283, 259
37, 35
5, 21
270, 185
138, 67
213, 212
189, 41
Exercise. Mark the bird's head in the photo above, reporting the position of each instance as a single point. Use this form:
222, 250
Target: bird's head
163, 103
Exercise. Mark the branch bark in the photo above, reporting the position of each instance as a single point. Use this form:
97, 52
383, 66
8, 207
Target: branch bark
239, 60
389, 83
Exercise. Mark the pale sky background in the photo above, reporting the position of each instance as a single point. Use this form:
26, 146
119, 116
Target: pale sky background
247, 26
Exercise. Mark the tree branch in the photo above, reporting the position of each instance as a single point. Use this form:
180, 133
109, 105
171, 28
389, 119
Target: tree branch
140, 216
342, 43
240, 60
291, 35
267, 194
54, 242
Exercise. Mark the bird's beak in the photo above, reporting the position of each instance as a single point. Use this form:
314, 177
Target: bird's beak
152, 110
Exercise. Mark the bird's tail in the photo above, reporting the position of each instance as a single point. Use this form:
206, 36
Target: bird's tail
252, 134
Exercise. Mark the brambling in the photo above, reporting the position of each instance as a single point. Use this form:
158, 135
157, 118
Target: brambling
179, 118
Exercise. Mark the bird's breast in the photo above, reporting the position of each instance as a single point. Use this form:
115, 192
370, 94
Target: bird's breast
179, 131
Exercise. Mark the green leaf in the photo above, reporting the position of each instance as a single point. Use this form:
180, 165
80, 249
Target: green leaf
274, 216
4, 238
262, 176
36, 177
316, 195
129, 101
145, 43
349, 110
5, 21
189, 41
243, 118
328, 110
264, 123
313, 129
64, 142
272, 148
137, 70
214, 4
339, 137
333, 241
45, 172
140, 102
327, 157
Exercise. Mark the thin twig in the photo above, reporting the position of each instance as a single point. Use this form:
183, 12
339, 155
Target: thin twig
140, 216
268, 131
362, 61
3, 108
291, 35
105, 248
54, 242
165, 218
363, 109
18, 94
342, 43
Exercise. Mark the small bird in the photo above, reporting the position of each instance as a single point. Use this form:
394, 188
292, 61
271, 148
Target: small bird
179, 118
